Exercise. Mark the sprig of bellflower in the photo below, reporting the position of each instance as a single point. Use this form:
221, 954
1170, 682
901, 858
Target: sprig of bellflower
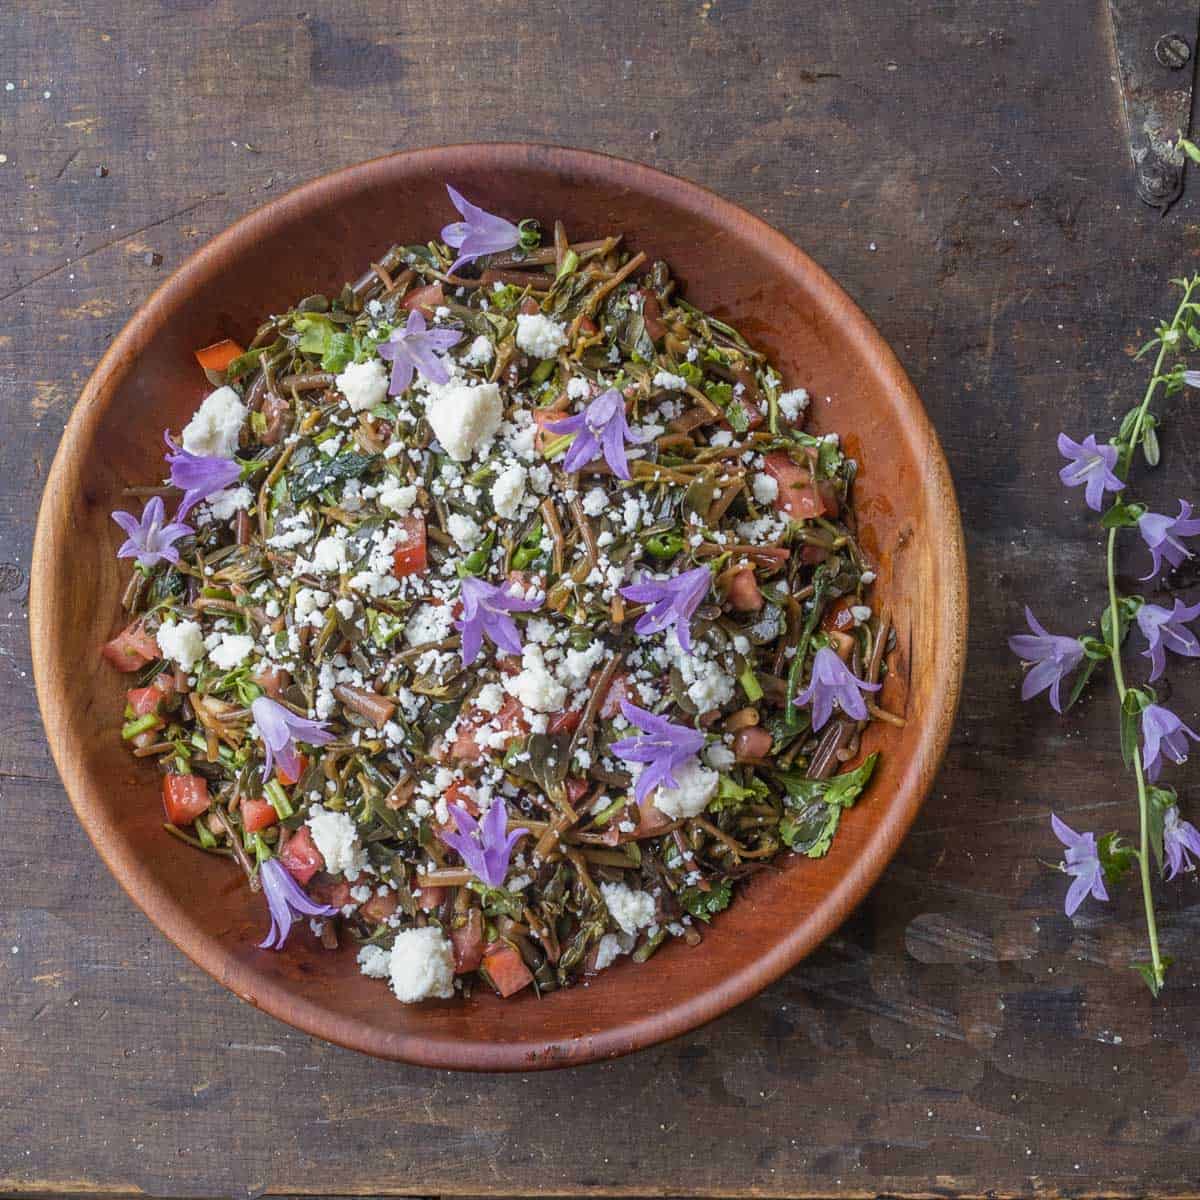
1152, 737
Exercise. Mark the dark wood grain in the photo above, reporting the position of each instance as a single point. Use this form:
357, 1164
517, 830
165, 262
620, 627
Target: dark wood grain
959, 1035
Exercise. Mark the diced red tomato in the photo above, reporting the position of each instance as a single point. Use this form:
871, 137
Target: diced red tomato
432, 897
285, 778
743, 594
219, 355
564, 722
328, 890
650, 822
302, 859
425, 298
576, 789
185, 797
510, 719
798, 496
529, 306
652, 315
506, 969
588, 327
410, 557
468, 943
751, 744
258, 814
543, 417
378, 908
132, 648
143, 701
838, 617
618, 690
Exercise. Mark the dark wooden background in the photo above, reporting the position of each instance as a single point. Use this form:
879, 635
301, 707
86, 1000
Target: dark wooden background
960, 168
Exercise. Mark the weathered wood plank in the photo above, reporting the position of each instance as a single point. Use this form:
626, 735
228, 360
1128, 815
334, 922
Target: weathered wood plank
960, 168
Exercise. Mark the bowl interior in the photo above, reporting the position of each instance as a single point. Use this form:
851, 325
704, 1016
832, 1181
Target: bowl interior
312, 240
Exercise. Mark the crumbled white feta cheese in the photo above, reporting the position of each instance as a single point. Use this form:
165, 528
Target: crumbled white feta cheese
430, 623
329, 555
508, 491
534, 686
422, 965
226, 504
719, 756
182, 642
793, 403
398, 499
607, 951
335, 835
479, 352
213, 431
696, 787
540, 336
463, 416
464, 530
675, 383
595, 501
578, 665
363, 384
231, 650
766, 488
578, 387
375, 962
490, 698
631, 910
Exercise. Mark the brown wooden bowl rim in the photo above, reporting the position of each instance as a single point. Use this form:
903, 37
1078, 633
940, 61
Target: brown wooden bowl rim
530, 1053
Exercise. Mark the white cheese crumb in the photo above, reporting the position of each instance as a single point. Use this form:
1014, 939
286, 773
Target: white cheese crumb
607, 952
335, 835
226, 504
793, 403
595, 502
632, 910
464, 416
696, 787
534, 686
375, 962
213, 431
766, 488
540, 336
422, 965
578, 387
490, 698
329, 555
232, 649
363, 384
430, 623
398, 499
464, 530
182, 642
508, 491
479, 352
664, 379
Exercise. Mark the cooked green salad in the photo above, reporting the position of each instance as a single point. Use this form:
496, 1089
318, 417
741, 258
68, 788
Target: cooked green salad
507, 619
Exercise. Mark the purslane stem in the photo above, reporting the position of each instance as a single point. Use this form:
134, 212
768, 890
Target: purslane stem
1123, 464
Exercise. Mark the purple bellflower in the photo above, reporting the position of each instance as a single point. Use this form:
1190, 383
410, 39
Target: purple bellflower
1054, 658
414, 347
833, 680
485, 609
287, 900
1163, 733
198, 476
1089, 465
661, 746
478, 232
1192, 378
1166, 629
1181, 839
1082, 862
1162, 535
280, 730
482, 845
149, 540
672, 602
601, 429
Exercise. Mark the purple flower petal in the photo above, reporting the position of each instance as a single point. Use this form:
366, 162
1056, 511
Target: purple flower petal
485, 609
280, 730
601, 429
1053, 657
478, 233
672, 603
1163, 536
1166, 629
1181, 840
1089, 466
413, 347
149, 540
198, 476
661, 747
1163, 733
832, 681
1082, 862
286, 900
484, 848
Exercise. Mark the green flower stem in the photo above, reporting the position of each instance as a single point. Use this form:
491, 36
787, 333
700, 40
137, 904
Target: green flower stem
1122, 470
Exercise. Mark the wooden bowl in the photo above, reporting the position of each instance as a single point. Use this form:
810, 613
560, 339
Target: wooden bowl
313, 239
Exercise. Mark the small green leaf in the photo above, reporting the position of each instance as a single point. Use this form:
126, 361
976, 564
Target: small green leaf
1152, 981
1122, 515
319, 472
704, 905
1115, 857
1191, 150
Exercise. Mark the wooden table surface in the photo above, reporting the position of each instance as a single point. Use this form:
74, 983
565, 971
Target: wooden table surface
961, 168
